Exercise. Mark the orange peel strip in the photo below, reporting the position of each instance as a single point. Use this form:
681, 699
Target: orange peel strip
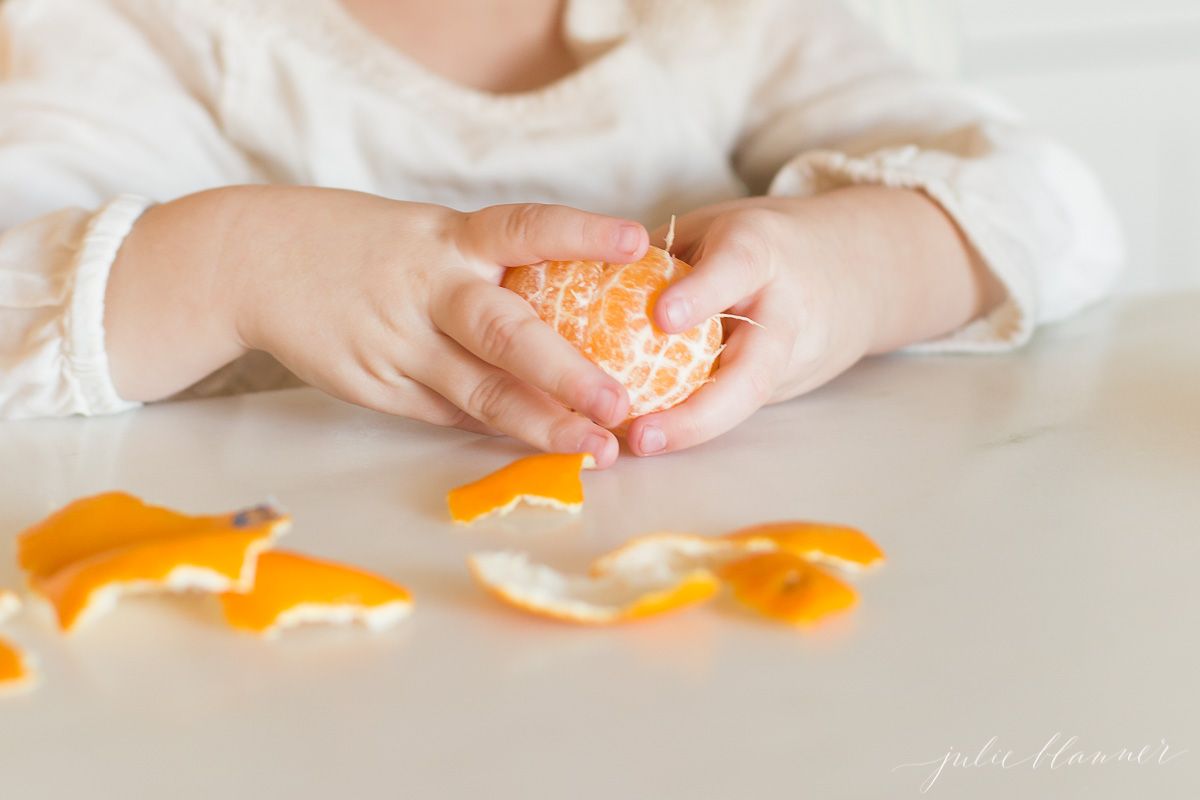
548, 479
84, 557
787, 587
16, 672
588, 600
837, 545
291, 589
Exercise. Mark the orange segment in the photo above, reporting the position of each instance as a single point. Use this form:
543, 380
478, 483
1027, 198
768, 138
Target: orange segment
85, 556
786, 587
588, 600
837, 545
549, 479
16, 673
291, 589
605, 311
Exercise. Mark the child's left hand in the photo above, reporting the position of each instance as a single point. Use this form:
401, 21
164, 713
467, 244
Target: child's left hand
829, 279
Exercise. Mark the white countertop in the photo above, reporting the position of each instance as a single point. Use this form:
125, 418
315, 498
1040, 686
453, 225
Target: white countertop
1041, 513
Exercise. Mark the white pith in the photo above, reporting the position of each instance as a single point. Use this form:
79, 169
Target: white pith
596, 599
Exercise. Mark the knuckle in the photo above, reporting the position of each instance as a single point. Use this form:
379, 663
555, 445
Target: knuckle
574, 388
563, 433
461, 302
500, 334
490, 398
523, 222
596, 233
748, 243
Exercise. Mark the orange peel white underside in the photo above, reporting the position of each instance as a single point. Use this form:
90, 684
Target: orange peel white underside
291, 589
588, 599
547, 479
83, 558
769, 568
10, 604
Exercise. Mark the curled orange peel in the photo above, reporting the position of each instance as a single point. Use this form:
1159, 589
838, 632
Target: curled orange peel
786, 587
589, 599
548, 479
291, 589
16, 671
770, 568
837, 545
95, 550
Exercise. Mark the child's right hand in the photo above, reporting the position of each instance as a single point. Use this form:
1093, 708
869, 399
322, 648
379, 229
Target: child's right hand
394, 306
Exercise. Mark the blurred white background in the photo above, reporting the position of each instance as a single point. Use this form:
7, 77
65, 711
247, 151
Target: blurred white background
1118, 80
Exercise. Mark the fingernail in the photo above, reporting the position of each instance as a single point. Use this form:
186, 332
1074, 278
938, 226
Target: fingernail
604, 405
677, 312
628, 238
652, 440
594, 443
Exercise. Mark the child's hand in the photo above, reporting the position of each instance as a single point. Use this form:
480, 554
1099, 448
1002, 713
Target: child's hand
829, 279
397, 307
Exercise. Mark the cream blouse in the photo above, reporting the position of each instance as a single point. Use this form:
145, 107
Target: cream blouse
107, 106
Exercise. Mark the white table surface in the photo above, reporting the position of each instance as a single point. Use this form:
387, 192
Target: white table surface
1041, 512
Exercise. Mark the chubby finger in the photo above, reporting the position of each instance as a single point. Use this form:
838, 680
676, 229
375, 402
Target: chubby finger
502, 329
502, 401
526, 233
733, 261
741, 385
404, 397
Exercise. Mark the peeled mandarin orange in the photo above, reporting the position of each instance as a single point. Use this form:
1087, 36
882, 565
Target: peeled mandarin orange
84, 557
837, 545
787, 588
620, 596
605, 311
291, 589
548, 479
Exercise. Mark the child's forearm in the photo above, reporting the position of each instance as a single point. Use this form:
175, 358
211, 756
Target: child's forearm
918, 273
168, 311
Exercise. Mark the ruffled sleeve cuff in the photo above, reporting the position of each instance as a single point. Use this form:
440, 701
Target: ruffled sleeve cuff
83, 341
940, 176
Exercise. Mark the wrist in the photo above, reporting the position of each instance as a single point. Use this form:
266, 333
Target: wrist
167, 323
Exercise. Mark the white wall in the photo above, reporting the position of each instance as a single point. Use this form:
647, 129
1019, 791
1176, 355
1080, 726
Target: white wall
1118, 80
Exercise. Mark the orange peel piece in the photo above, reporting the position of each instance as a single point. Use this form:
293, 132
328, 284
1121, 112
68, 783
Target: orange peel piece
837, 545
620, 596
548, 479
95, 550
16, 671
292, 589
787, 587
768, 567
